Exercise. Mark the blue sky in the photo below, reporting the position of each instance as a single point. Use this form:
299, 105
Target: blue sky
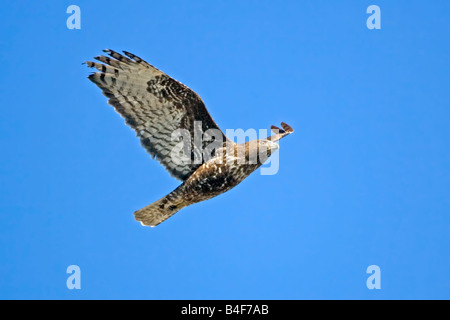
364, 180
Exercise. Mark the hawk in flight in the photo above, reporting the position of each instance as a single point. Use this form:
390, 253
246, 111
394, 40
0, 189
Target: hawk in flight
174, 126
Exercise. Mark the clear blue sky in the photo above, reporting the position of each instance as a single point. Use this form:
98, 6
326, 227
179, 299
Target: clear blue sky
364, 180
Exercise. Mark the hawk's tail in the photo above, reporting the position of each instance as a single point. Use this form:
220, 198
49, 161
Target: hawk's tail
160, 210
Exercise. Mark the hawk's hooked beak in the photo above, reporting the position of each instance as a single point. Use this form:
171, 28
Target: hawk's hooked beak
273, 145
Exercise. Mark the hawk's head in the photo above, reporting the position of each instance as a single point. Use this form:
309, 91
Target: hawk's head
267, 146
258, 151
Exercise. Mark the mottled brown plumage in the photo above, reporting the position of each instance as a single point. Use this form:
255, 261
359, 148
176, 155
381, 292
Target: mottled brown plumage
156, 107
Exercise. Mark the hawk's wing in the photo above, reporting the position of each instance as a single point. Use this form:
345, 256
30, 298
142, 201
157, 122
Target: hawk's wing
154, 105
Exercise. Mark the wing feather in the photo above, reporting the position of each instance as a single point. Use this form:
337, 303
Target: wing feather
154, 105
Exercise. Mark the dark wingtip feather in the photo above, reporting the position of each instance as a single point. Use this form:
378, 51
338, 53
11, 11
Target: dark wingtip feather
287, 127
276, 130
130, 55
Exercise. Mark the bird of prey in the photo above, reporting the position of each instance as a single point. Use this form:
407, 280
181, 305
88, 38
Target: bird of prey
174, 126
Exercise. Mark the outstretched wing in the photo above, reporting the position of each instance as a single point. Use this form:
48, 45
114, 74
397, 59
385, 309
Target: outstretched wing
155, 106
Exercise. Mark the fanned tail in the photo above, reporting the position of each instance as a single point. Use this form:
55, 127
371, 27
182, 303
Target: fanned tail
158, 211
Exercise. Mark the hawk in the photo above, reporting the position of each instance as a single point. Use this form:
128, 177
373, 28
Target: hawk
169, 118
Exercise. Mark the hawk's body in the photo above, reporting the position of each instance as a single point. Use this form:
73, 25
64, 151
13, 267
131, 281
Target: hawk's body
156, 106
